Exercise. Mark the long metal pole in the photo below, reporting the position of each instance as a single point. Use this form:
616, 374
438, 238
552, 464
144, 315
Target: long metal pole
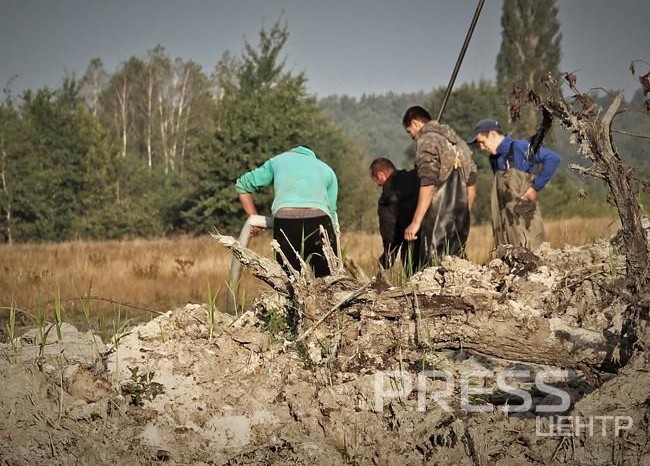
450, 86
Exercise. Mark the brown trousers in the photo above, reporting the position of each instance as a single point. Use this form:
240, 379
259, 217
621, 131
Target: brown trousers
514, 220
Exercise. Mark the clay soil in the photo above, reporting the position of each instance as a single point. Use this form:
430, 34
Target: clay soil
189, 387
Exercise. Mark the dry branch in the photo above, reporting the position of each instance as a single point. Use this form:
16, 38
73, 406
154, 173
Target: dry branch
594, 138
326, 315
482, 320
263, 268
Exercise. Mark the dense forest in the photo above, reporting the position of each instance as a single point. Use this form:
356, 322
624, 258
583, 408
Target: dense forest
153, 148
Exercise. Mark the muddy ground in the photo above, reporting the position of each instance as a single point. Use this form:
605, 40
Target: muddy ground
180, 390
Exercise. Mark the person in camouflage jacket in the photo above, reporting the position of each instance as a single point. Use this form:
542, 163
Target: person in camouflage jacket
438, 150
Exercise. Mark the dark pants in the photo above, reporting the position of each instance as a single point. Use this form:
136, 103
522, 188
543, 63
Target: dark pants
414, 255
302, 235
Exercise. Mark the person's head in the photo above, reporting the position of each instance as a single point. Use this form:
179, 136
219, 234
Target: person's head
414, 119
380, 170
487, 134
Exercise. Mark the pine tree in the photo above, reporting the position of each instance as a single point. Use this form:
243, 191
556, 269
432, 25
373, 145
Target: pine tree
264, 110
530, 49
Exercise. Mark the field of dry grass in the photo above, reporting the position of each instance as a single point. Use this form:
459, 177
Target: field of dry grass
142, 277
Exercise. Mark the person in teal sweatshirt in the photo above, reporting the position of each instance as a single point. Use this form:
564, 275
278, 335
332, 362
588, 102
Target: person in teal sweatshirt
305, 194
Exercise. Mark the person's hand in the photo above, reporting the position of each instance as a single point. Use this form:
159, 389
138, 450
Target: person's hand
411, 232
530, 195
256, 230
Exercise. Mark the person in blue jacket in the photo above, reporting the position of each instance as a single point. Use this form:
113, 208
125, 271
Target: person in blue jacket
519, 176
305, 194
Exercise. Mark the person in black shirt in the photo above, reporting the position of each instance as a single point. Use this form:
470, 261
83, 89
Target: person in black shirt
395, 209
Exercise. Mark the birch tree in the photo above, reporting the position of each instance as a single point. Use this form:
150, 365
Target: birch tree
123, 91
10, 131
177, 86
5, 197
93, 84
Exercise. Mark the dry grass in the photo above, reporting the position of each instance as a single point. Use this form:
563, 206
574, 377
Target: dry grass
140, 277
561, 232
365, 247
143, 277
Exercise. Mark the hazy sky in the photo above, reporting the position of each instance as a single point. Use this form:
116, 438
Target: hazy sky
343, 46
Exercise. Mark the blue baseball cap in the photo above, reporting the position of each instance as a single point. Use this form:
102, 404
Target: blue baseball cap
484, 126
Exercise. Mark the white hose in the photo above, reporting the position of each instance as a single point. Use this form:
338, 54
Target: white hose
235, 267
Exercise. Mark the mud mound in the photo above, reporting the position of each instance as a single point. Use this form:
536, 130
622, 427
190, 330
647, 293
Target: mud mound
360, 390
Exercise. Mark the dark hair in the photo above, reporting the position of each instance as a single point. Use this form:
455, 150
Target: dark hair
379, 164
416, 113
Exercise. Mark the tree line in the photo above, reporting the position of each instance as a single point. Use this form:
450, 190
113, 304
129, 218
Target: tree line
154, 147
